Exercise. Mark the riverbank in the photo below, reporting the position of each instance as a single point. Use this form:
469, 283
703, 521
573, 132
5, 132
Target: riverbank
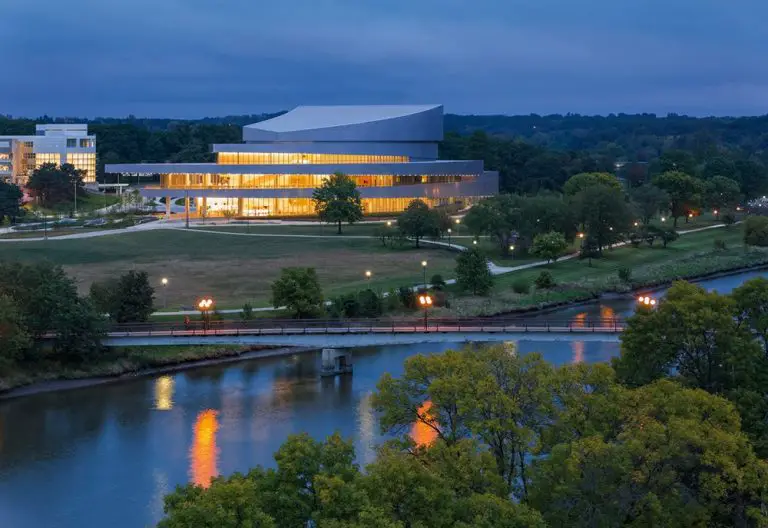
127, 363
693, 256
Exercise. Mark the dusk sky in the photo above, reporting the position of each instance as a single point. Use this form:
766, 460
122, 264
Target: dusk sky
196, 58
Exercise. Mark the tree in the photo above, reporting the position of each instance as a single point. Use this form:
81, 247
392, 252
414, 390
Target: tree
418, 221
133, 298
53, 185
649, 200
78, 330
545, 281
721, 193
500, 217
756, 231
751, 307
684, 192
10, 202
583, 181
677, 161
693, 334
337, 200
549, 245
14, 339
472, 272
605, 213
299, 290
667, 456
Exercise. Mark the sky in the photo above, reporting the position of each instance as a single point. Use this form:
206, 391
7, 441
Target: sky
198, 58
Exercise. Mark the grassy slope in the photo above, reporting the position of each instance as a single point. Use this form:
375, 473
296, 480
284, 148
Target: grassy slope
689, 256
233, 269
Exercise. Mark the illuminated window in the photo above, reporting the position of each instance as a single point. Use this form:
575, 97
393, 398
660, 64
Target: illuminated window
282, 158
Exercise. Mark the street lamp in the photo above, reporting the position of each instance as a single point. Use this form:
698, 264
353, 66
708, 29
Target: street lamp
424, 267
425, 301
581, 235
474, 242
646, 300
164, 282
389, 223
449, 238
663, 219
368, 275
204, 305
458, 222
512, 250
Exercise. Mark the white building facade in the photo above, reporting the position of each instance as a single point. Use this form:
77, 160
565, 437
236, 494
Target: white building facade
57, 144
391, 152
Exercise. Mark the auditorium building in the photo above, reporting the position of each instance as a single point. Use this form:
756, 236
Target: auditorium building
389, 151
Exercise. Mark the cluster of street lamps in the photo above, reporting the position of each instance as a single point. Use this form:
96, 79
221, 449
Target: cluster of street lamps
645, 300
425, 301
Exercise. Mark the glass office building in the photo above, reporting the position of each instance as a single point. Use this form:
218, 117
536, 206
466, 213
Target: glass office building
57, 144
389, 151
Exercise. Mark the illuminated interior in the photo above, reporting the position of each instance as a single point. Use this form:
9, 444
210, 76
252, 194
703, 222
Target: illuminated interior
265, 207
296, 181
284, 158
204, 453
86, 162
41, 158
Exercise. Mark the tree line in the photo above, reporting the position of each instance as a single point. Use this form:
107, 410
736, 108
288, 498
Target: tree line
673, 433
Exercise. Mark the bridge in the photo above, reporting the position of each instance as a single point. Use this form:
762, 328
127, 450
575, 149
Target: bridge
362, 332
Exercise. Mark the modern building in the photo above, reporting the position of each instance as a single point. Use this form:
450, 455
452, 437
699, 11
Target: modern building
58, 144
389, 151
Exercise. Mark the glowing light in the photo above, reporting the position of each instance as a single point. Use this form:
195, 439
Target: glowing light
663, 219
424, 431
474, 242
636, 224
368, 274
205, 304
653, 302
164, 281
449, 230
424, 263
389, 223
425, 300
164, 393
511, 248
581, 235
690, 215
204, 453
458, 221
715, 211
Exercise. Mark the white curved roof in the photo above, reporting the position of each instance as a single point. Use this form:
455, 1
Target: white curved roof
352, 123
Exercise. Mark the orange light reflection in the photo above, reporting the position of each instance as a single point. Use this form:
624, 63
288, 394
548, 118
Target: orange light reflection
578, 351
204, 453
422, 433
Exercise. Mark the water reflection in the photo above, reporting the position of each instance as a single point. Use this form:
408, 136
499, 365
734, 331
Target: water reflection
164, 393
204, 453
422, 433
607, 315
579, 319
578, 351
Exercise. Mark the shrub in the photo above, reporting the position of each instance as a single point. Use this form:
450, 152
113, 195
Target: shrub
720, 244
407, 297
756, 231
549, 245
392, 301
369, 304
437, 281
247, 312
668, 235
625, 275
545, 281
728, 218
472, 272
521, 286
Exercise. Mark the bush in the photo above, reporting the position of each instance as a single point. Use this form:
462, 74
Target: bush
247, 313
392, 301
369, 303
625, 275
437, 281
720, 244
756, 231
407, 297
545, 281
472, 272
521, 286
728, 218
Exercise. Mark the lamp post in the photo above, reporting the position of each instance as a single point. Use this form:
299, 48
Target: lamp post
389, 223
424, 267
512, 250
425, 301
204, 305
449, 238
164, 282
646, 300
368, 276
74, 186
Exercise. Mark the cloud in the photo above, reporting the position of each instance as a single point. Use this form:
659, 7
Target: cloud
187, 58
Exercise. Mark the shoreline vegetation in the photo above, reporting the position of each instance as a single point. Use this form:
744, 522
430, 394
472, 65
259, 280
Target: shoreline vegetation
131, 362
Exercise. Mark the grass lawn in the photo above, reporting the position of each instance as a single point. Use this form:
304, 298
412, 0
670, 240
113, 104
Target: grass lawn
233, 269
690, 255
85, 204
314, 229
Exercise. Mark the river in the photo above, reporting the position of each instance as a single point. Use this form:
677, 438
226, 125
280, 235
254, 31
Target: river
106, 455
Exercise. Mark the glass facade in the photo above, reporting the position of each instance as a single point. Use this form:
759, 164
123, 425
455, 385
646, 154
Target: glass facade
266, 207
267, 158
296, 181
86, 162
41, 158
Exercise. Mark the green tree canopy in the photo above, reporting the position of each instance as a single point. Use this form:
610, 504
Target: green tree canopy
648, 201
585, 180
10, 202
605, 213
418, 221
472, 272
55, 185
337, 200
721, 193
756, 231
685, 192
299, 290
549, 246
